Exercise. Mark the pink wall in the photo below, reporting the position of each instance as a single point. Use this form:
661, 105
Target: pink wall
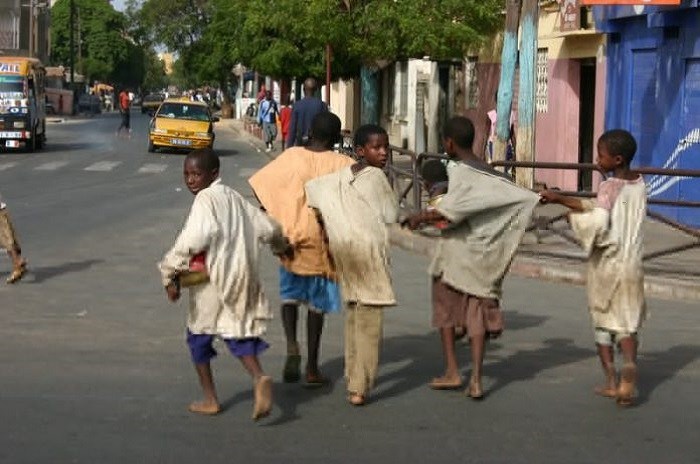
557, 130
600, 100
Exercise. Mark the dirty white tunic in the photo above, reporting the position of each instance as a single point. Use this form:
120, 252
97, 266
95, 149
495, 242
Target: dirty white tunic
488, 215
356, 209
611, 232
229, 230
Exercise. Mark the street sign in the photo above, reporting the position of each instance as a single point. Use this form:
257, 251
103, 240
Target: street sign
570, 15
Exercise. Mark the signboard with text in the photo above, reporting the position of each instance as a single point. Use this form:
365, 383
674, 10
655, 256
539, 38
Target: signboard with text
570, 15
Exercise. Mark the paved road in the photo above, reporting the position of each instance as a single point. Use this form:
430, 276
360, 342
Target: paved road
94, 368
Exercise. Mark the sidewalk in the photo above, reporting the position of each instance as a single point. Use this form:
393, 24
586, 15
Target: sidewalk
547, 256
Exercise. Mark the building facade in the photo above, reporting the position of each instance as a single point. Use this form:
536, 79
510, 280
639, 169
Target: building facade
24, 28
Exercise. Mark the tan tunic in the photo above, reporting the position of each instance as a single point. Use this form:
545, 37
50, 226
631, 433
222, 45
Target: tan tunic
611, 232
280, 188
356, 209
229, 229
489, 215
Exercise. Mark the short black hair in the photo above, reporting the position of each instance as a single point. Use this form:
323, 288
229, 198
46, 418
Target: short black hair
619, 142
366, 131
325, 128
205, 158
461, 131
434, 171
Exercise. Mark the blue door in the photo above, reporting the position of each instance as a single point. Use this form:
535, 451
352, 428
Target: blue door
689, 144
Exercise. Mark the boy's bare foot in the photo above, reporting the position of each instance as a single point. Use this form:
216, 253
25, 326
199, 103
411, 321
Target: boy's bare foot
475, 390
628, 380
263, 397
606, 391
356, 399
207, 408
446, 382
18, 272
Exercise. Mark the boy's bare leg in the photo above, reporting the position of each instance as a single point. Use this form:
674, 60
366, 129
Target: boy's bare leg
476, 346
314, 329
19, 265
263, 386
290, 316
210, 404
607, 362
451, 379
628, 375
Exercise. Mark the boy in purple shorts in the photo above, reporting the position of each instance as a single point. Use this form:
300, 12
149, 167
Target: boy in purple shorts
222, 233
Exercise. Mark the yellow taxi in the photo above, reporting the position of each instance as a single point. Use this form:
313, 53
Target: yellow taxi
181, 123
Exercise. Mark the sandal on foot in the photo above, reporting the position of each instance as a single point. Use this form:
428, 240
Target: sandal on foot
440, 383
628, 379
474, 390
291, 372
263, 397
315, 381
356, 399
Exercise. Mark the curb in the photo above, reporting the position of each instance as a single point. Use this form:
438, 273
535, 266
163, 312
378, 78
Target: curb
554, 271
253, 141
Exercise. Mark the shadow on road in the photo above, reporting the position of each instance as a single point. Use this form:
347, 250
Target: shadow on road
661, 366
43, 274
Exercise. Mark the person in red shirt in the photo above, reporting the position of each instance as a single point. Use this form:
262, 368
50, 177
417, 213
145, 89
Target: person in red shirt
124, 106
285, 119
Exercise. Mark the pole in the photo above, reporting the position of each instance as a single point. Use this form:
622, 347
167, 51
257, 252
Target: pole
526, 96
72, 44
31, 28
328, 74
509, 58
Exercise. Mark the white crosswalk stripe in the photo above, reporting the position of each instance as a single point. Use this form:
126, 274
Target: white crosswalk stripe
152, 168
103, 166
51, 166
5, 166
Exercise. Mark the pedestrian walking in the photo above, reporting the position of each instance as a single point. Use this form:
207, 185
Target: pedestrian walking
267, 117
355, 204
125, 112
8, 241
308, 277
285, 120
303, 113
217, 254
610, 229
487, 217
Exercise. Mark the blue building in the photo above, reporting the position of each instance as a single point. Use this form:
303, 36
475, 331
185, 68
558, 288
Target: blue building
653, 90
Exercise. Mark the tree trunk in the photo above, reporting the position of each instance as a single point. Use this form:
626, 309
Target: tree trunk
526, 96
226, 106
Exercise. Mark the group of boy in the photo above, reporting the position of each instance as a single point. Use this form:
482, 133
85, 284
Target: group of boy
326, 216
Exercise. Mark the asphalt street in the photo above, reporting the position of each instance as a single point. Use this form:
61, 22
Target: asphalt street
94, 368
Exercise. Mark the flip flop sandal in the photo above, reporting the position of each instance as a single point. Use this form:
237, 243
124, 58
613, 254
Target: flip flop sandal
292, 370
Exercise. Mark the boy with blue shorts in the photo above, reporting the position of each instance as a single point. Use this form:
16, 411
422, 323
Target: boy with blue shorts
216, 255
307, 277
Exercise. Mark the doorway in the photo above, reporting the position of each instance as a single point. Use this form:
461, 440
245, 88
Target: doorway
586, 121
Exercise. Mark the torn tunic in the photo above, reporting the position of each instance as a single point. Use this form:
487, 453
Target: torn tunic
611, 232
229, 229
356, 207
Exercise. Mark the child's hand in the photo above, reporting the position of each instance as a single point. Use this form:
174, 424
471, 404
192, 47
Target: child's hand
550, 196
413, 221
173, 292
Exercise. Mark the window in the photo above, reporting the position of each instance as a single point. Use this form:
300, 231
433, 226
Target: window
472, 82
541, 83
403, 109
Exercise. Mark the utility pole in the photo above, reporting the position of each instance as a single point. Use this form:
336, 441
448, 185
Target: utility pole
72, 44
509, 58
526, 97
31, 28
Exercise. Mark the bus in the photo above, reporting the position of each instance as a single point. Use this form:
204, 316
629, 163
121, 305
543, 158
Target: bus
22, 103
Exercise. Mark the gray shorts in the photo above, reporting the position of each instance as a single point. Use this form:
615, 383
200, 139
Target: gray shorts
607, 337
270, 131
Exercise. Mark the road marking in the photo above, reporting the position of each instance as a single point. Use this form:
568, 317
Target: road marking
5, 166
152, 168
246, 172
52, 166
103, 166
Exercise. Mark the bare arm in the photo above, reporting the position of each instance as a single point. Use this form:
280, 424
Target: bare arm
424, 217
573, 203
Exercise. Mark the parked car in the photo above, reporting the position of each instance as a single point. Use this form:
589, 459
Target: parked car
89, 104
151, 102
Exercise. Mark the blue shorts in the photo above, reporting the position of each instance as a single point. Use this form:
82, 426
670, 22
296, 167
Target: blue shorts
319, 293
202, 349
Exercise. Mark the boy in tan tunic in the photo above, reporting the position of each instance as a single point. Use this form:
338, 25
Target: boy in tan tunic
355, 204
610, 230
487, 216
8, 241
230, 304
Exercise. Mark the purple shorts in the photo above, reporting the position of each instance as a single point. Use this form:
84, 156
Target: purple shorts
202, 349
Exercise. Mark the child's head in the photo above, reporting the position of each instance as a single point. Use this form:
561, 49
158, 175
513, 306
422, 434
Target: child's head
434, 175
201, 168
325, 130
616, 149
371, 143
458, 135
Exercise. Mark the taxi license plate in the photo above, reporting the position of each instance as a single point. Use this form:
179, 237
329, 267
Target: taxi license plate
182, 142
10, 135
12, 143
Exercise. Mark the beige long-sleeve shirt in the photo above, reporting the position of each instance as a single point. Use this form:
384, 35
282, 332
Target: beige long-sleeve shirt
356, 207
229, 230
